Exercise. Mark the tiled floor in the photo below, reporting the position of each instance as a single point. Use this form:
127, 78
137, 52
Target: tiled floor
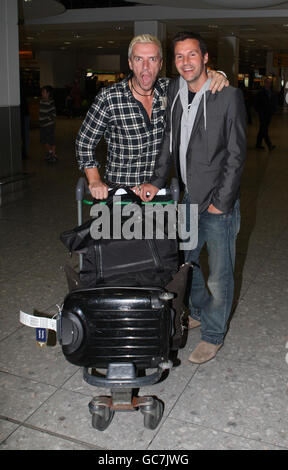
236, 401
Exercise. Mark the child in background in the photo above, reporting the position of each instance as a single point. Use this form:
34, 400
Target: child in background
47, 116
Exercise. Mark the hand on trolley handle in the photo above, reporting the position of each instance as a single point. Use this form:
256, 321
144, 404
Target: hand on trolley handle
100, 190
146, 191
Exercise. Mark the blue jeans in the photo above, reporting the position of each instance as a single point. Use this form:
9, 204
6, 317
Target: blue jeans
212, 305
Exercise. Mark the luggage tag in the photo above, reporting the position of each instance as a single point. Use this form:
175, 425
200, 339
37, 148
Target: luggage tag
41, 337
44, 327
45, 336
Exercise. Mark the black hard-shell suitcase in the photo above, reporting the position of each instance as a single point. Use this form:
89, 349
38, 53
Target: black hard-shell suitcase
116, 324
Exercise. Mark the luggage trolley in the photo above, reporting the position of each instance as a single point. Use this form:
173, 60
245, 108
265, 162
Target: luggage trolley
116, 333
124, 331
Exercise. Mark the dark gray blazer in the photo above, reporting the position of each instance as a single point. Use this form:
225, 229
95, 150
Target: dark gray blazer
215, 155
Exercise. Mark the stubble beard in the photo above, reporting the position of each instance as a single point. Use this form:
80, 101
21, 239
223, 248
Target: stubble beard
193, 81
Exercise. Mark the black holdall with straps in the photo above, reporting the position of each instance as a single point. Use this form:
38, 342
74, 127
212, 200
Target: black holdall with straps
114, 260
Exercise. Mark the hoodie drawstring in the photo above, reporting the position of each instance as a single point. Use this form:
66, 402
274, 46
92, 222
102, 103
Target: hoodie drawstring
172, 107
205, 111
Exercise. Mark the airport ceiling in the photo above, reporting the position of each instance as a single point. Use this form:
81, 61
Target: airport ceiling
108, 25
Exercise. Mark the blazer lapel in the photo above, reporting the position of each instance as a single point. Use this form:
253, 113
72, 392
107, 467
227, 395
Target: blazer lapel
176, 124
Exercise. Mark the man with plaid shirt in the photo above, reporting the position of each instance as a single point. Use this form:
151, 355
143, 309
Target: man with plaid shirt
131, 116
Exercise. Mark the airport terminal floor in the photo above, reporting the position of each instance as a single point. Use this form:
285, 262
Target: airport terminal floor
236, 401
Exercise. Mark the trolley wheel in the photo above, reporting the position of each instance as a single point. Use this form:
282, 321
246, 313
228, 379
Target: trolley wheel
152, 414
102, 417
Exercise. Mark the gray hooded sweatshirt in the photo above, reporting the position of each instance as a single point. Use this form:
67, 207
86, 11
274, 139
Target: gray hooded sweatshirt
188, 119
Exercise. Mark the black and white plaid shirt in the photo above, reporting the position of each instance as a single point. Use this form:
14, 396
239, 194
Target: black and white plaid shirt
133, 140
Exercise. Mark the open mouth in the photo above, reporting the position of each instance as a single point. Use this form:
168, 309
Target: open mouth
146, 79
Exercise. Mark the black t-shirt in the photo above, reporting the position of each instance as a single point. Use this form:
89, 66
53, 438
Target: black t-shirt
191, 95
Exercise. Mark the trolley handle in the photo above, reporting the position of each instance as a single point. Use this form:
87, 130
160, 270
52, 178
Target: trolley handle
81, 188
175, 189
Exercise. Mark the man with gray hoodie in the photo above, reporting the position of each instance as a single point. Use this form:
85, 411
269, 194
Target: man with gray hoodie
206, 138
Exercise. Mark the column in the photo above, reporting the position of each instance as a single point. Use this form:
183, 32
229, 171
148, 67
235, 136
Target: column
11, 155
228, 58
156, 29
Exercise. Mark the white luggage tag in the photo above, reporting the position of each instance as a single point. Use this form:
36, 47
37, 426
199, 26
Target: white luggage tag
41, 324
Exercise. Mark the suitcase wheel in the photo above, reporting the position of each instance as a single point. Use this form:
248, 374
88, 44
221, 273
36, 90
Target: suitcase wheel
152, 413
101, 417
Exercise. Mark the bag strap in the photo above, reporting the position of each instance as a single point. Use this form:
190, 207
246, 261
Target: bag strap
98, 261
134, 198
155, 254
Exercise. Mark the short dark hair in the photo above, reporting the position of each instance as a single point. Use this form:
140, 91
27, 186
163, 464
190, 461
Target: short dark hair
182, 35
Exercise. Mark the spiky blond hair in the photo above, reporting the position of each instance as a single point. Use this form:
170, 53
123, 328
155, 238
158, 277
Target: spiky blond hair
144, 39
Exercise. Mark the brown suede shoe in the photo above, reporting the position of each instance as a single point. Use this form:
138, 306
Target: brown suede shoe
204, 352
192, 323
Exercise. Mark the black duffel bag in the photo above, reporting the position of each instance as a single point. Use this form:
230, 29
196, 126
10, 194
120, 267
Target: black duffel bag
134, 262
